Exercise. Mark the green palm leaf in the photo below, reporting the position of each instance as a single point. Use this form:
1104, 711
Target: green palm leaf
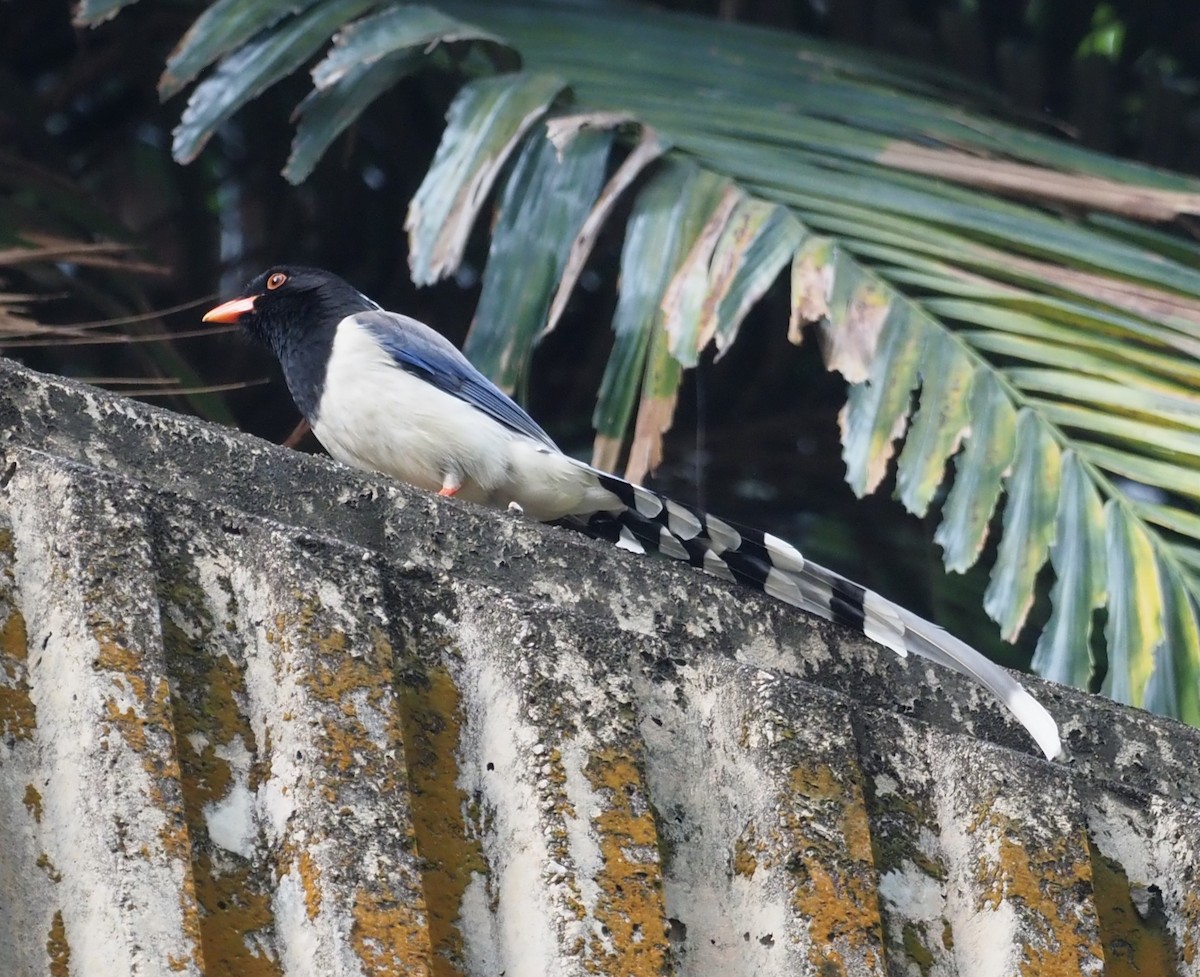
1008, 283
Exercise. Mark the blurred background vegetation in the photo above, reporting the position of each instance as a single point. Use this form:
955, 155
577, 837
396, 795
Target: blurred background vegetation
110, 250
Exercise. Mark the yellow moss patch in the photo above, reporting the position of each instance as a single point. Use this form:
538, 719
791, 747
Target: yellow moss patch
18, 716
14, 641
33, 802
390, 929
310, 877
746, 851
206, 713
1042, 881
128, 723
189, 913
114, 656
432, 718
337, 678
1191, 927
389, 936
43, 862
631, 906
1133, 947
57, 948
175, 840
237, 908
150, 715
836, 887
558, 842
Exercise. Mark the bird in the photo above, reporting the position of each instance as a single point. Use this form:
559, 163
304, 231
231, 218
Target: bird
386, 393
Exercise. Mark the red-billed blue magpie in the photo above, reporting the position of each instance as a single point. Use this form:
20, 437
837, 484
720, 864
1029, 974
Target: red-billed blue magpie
386, 393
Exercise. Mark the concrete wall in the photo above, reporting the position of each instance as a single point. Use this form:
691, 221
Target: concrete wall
261, 714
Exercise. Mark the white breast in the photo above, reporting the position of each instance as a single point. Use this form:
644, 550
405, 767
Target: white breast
376, 416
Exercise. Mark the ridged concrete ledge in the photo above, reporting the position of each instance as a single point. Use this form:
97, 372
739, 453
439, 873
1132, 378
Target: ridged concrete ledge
261, 714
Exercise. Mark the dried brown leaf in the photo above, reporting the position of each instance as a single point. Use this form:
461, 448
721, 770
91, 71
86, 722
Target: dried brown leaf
812, 286
849, 345
606, 452
104, 254
1025, 181
655, 415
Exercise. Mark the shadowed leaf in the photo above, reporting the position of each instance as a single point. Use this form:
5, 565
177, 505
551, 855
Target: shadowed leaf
484, 124
1173, 688
223, 27
398, 28
667, 214
698, 207
254, 68
92, 13
542, 208
683, 302
760, 239
326, 112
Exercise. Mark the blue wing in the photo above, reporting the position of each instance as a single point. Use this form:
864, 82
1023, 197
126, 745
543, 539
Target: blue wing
429, 355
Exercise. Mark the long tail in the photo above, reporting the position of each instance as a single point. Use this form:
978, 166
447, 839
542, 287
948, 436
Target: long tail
653, 522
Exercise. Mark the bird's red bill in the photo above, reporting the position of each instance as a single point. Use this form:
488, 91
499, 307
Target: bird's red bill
230, 311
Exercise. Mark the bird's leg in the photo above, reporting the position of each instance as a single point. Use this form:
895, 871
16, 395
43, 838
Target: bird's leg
451, 483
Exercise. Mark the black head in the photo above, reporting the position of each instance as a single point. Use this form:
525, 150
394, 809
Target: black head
287, 304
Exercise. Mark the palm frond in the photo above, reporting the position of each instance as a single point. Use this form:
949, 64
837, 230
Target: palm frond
1000, 302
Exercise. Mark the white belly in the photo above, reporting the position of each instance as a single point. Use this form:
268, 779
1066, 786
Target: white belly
376, 416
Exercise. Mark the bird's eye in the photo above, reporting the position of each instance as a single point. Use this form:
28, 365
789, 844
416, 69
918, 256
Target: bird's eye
276, 280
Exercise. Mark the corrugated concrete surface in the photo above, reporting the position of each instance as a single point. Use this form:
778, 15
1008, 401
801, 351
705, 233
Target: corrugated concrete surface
263, 715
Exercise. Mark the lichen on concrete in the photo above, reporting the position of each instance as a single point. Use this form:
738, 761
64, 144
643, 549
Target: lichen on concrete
18, 715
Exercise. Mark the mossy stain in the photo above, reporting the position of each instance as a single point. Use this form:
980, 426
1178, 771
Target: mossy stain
18, 715
1051, 881
836, 888
431, 715
228, 914
389, 936
1133, 946
33, 802
58, 950
630, 907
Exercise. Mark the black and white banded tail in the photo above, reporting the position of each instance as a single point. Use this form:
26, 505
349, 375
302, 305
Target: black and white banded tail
652, 522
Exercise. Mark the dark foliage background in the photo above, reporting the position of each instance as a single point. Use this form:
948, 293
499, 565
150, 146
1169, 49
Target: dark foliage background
85, 157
